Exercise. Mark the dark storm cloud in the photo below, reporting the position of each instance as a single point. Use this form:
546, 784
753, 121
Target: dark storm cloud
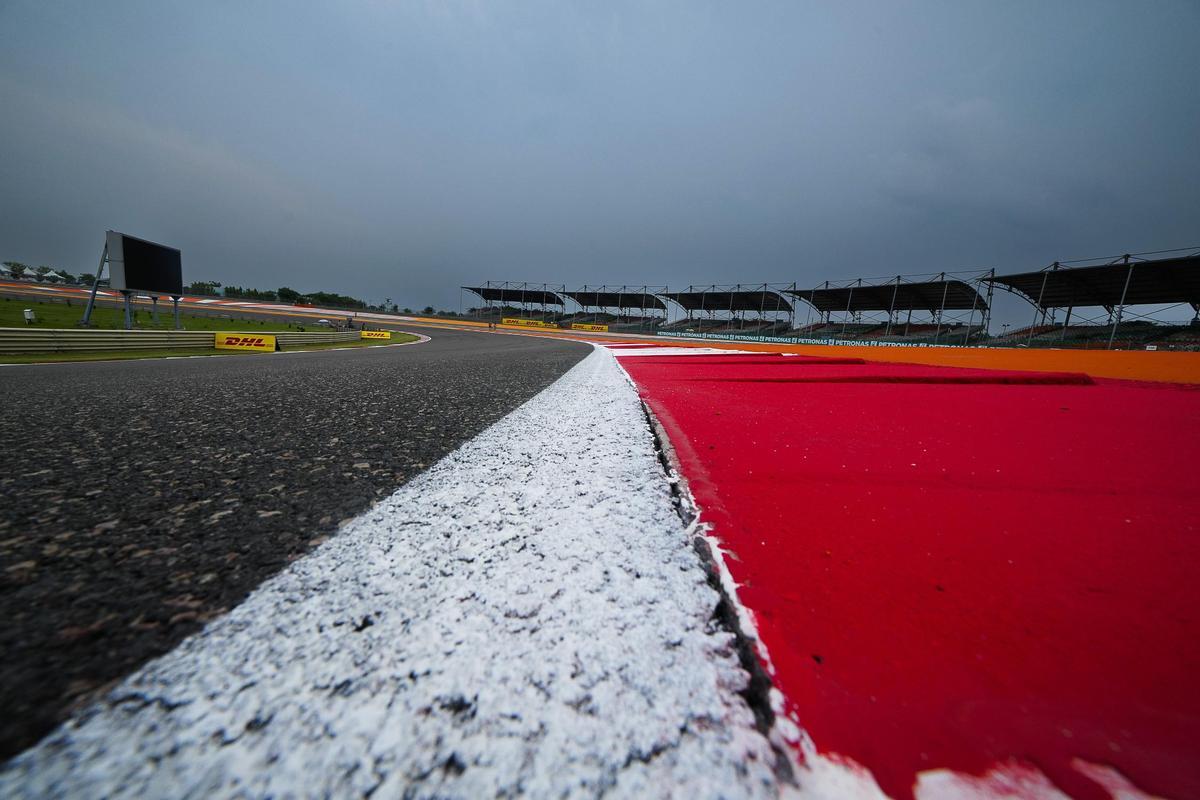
403, 149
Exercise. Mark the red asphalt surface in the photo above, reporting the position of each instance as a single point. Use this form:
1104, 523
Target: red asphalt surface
956, 568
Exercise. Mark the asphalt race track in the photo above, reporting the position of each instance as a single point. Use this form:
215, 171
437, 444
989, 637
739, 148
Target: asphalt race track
140, 499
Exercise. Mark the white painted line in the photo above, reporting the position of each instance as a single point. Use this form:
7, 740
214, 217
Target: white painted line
525, 618
421, 339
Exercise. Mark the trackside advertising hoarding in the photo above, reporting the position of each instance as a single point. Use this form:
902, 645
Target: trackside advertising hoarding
256, 342
526, 323
798, 340
581, 326
375, 334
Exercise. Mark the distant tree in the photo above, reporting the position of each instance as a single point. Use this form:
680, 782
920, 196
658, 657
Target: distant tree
66, 276
287, 295
249, 294
87, 278
42, 270
16, 268
427, 310
334, 299
408, 311
203, 287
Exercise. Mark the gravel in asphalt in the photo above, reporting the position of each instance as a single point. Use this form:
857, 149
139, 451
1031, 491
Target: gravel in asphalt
140, 499
528, 617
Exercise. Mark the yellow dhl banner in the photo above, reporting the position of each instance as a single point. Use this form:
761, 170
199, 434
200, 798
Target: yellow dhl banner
527, 323
376, 334
581, 326
245, 341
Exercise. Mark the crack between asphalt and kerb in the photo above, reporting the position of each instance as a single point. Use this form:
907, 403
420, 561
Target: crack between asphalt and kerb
757, 693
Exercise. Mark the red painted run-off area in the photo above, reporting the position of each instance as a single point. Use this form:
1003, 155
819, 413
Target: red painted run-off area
958, 568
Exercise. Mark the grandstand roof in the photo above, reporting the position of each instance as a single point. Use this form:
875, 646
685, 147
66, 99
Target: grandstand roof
606, 298
898, 296
1165, 280
510, 294
730, 300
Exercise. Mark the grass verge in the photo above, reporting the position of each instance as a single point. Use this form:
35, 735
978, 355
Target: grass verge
125, 355
62, 315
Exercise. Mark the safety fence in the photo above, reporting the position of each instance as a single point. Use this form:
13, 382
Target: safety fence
287, 339
733, 337
62, 340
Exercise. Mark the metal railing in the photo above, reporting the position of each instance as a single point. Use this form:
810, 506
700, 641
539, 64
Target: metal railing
288, 339
63, 340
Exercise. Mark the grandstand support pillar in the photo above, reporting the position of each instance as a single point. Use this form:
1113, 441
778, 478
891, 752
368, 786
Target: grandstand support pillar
1066, 323
762, 304
970, 319
1121, 305
1038, 305
175, 303
849, 301
937, 334
892, 308
987, 312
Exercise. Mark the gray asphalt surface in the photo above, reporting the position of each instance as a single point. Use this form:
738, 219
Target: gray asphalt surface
139, 499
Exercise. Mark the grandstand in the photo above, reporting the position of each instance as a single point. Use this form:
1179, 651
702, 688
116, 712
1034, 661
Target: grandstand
947, 308
758, 310
531, 301
942, 308
1157, 287
615, 306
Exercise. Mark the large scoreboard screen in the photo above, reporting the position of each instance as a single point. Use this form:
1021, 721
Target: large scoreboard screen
138, 265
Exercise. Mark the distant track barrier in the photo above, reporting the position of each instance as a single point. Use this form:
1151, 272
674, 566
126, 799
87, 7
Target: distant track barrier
287, 340
260, 343
520, 322
66, 340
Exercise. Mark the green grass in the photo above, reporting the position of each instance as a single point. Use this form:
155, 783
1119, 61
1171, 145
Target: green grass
122, 355
113, 355
61, 315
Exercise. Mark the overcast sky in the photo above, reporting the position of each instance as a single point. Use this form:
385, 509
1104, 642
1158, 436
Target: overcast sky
402, 149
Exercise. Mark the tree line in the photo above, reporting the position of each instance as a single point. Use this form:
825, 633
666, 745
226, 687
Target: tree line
284, 294
18, 270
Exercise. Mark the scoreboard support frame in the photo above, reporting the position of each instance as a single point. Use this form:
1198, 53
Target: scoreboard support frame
86, 322
127, 295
